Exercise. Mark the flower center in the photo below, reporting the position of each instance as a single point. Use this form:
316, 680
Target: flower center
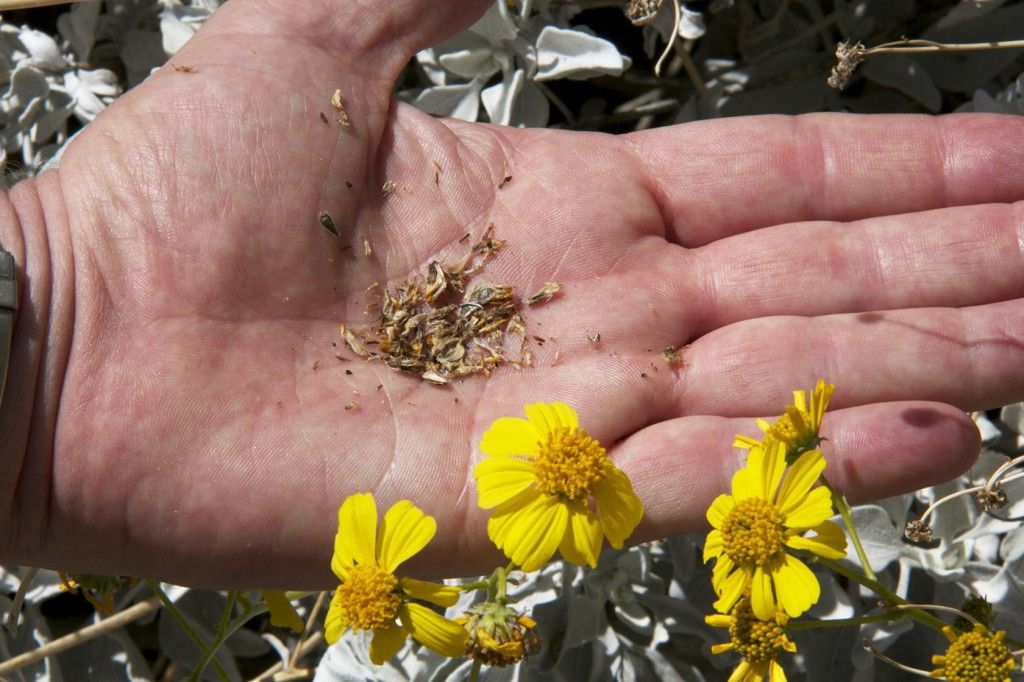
758, 641
752, 531
570, 463
369, 597
978, 656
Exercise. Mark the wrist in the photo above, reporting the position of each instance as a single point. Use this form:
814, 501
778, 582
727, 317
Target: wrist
30, 216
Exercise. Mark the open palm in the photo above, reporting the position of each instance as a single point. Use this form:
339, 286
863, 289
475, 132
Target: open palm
199, 428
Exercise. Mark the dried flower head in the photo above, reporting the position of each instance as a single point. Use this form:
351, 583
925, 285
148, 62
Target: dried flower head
848, 56
978, 608
498, 634
642, 12
992, 498
918, 532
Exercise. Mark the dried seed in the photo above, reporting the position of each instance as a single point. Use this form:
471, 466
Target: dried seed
437, 172
351, 406
464, 238
348, 372
594, 338
184, 68
348, 184
645, 375
316, 365
672, 356
546, 293
367, 247
387, 188
328, 223
339, 106
504, 181
323, 117
434, 378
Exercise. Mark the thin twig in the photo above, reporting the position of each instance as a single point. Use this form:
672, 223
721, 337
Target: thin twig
677, 14
19, 599
82, 636
313, 642
310, 621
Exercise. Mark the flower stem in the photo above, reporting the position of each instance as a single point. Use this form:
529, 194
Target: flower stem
154, 586
223, 634
843, 622
846, 512
881, 590
913, 46
474, 672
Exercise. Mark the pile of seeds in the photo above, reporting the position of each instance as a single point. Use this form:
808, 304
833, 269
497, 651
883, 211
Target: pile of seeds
435, 327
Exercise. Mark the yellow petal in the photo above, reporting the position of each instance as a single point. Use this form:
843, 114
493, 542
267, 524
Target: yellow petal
530, 534
544, 418
500, 478
795, 585
799, 480
582, 543
829, 541
724, 566
733, 588
511, 436
282, 613
769, 469
746, 442
435, 593
800, 400
762, 598
722, 648
357, 533
433, 631
566, 415
814, 508
775, 672
744, 673
720, 509
386, 643
714, 545
503, 516
405, 531
820, 398
719, 620
336, 623
618, 507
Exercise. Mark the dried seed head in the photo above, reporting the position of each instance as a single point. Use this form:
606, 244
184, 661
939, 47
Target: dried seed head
918, 532
642, 12
991, 499
546, 293
848, 56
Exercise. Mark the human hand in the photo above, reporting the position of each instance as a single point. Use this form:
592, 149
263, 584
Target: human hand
175, 408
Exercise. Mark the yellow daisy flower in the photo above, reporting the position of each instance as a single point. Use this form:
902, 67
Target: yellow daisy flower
979, 655
370, 597
758, 641
798, 428
543, 476
754, 526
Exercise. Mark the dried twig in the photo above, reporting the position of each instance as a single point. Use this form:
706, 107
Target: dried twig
10, 5
82, 636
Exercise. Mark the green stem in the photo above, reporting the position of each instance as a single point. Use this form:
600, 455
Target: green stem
881, 590
154, 586
222, 636
478, 585
843, 622
474, 672
846, 512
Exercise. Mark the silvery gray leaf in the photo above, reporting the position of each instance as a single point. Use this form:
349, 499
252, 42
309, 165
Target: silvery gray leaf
113, 656
904, 73
471, 62
968, 9
78, 27
515, 101
202, 610
1013, 417
575, 54
497, 23
178, 23
42, 51
91, 91
33, 631
880, 538
460, 100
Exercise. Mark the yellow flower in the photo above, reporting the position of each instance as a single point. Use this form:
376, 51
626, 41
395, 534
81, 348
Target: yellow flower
757, 640
798, 427
543, 476
370, 597
754, 526
498, 635
976, 656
